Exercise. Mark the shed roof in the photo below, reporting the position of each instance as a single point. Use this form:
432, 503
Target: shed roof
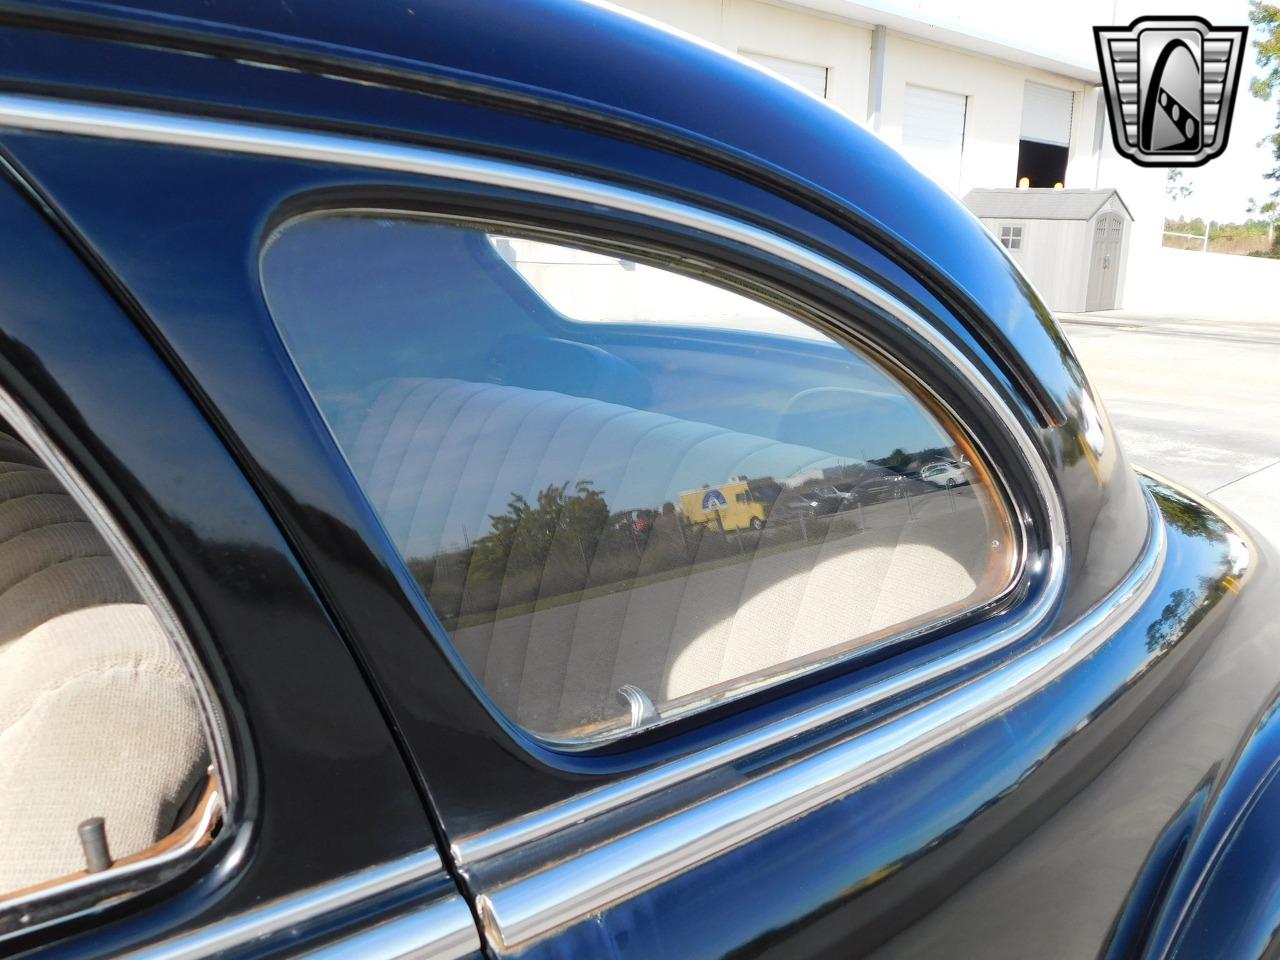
1040, 203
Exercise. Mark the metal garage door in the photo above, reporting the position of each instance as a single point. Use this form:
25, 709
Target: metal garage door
933, 133
1046, 114
811, 76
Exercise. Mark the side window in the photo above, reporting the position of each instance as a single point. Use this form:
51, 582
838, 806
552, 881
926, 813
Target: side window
627, 493
105, 763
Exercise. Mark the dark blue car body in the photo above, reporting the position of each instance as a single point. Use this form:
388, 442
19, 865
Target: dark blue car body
1088, 771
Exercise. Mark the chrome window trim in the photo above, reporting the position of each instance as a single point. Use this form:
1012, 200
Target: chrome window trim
536, 904
211, 716
788, 670
64, 891
121, 123
443, 930
568, 890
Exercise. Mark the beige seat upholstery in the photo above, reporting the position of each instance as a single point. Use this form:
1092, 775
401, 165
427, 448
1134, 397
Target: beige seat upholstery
439, 457
97, 714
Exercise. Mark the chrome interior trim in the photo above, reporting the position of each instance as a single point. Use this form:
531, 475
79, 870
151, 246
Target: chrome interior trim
131, 561
440, 924
59, 891
45, 114
571, 889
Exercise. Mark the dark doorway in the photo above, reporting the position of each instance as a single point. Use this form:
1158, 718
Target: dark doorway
1043, 164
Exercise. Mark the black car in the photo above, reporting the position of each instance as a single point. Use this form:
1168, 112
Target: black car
814, 503
343, 347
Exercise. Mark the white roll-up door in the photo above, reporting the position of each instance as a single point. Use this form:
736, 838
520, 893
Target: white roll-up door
811, 76
1046, 114
933, 133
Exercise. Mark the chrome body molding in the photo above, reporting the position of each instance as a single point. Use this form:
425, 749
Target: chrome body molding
441, 930
44, 114
540, 903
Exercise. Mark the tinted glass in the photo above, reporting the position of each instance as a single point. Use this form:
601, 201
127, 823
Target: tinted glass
625, 492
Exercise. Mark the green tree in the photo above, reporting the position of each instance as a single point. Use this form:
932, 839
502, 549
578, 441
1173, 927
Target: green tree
1265, 18
560, 531
1270, 210
1174, 188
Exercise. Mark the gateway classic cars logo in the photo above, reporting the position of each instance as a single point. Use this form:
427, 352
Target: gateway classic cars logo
1170, 83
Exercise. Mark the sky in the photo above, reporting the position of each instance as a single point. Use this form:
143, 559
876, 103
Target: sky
1220, 189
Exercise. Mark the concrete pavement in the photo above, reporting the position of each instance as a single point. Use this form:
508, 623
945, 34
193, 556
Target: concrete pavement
1197, 400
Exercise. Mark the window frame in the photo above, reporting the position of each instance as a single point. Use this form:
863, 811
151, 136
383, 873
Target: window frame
1015, 235
852, 325
62, 898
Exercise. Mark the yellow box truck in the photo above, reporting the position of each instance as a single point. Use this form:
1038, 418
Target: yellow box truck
737, 504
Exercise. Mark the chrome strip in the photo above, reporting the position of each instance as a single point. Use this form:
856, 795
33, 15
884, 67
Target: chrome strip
443, 931
37, 113
534, 905
446, 925
572, 889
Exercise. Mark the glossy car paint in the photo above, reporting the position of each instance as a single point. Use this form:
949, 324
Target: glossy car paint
1109, 809
303, 729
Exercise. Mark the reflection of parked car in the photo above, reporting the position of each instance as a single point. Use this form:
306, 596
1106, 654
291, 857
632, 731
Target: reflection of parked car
807, 506
636, 522
947, 473
844, 494
872, 484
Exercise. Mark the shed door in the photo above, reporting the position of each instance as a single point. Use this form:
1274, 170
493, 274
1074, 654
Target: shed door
1104, 264
933, 133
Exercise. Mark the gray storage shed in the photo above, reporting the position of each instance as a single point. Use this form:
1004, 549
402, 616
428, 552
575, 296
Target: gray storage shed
1072, 244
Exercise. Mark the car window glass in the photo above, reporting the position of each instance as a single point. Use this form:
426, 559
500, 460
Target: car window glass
598, 288
619, 523
104, 760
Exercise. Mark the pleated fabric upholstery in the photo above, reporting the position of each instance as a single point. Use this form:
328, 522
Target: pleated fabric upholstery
438, 457
97, 714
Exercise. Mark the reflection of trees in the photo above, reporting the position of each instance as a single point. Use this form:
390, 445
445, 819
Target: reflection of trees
559, 529
567, 542
1187, 606
1190, 518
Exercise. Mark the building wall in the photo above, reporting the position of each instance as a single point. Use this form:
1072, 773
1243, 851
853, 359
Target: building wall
994, 89
747, 26
993, 116
993, 120
1188, 283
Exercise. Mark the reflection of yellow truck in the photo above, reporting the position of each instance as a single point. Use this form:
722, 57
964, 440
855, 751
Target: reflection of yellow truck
739, 504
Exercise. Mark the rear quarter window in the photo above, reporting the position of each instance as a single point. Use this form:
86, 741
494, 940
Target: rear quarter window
627, 493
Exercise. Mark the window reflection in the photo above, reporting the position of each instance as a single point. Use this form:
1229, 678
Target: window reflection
621, 520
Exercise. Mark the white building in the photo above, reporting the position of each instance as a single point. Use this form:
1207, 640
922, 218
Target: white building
974, 94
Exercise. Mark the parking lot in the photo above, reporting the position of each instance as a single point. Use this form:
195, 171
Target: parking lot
1195, 400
